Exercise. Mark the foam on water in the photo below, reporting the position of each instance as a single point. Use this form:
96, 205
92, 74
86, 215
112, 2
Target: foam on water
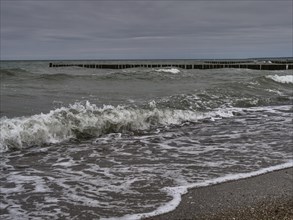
281, 79
132, 157
177, 192
172, 70
119, 174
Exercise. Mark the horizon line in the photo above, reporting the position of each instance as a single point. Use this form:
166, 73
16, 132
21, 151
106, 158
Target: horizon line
92, 59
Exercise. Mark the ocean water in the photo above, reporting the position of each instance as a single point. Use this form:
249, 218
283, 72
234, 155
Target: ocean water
81, 143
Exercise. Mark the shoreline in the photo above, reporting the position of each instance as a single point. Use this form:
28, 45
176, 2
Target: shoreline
266, 196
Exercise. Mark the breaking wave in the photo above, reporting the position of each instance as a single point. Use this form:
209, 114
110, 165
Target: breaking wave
172, 70
281, 79
85, 120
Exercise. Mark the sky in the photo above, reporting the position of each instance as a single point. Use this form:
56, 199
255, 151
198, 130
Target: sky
137, 29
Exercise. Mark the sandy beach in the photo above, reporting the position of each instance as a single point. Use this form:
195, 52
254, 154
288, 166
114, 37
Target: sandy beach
268, 196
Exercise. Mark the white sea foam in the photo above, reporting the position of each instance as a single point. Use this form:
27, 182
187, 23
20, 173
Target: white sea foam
65, 123
275, 91
177, 192
172, 70
91, 174
281, 79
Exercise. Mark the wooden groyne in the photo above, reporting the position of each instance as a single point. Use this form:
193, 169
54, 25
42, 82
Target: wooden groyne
255, 65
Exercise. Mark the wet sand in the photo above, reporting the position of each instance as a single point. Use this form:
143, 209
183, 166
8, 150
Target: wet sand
268, 196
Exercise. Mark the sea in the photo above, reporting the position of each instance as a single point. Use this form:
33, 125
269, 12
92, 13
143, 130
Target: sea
82, 143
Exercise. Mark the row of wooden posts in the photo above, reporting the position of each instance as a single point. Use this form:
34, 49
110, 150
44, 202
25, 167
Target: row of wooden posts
255, 66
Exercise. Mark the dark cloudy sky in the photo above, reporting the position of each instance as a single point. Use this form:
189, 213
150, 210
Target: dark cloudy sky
80, 29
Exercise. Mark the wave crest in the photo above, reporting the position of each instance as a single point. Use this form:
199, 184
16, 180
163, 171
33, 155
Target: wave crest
281, 79
172, 70
12, 72
84, 120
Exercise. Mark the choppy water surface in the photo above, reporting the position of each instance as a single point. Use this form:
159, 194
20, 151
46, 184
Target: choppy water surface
87, 143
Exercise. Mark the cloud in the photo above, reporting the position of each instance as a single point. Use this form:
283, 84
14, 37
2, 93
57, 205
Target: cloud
144, 29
